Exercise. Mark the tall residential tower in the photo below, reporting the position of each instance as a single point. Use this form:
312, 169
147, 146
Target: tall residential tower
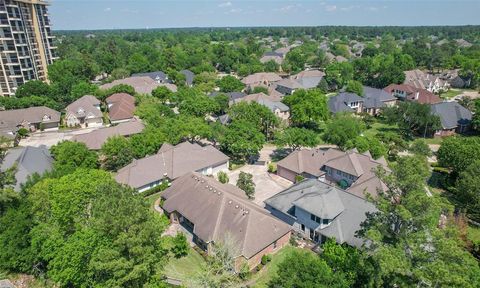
26, 43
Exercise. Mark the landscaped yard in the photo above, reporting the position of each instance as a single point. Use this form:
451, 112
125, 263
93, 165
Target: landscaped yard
451, 93
378, 127
261, 278
152, 198
186, 267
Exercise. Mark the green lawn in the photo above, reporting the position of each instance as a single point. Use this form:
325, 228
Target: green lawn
186, 267
473, 233
152, 198
433, 140
378, 127
268, 272
451, 93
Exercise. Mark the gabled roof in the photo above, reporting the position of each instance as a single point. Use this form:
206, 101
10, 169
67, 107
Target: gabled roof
189, 76
362, 166
218, 209
289, 83
347, 211
141, 84
171, 162
452, 114
84, 107
231, 95
41, 114
121, 110
29, 160
376, 98
120, 97
95, 139
263, 99
261, 77
339, 102
308, 74
156, 75
414, 94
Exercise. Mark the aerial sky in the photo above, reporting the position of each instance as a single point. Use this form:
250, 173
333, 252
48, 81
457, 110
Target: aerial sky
124, 14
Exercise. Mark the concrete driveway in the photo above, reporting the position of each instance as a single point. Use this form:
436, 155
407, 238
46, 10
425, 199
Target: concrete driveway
51, 138
266, 184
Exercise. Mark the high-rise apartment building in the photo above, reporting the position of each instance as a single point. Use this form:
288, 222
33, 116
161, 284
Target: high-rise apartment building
26, 43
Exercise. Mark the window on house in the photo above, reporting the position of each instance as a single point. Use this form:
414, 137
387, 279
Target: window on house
303, 227
325, 221
312, 217
275, 245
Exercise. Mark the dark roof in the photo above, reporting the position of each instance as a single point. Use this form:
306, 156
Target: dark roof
347, 211
157, 76
231, 95
339, 102
375, 98
29, 160
189, 76
272, 53
452, 114
414, 94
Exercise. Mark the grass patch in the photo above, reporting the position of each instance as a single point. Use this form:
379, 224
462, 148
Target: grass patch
186, 267
152, 198
473, 233
270, 270
378, 127
434, 140
451, 93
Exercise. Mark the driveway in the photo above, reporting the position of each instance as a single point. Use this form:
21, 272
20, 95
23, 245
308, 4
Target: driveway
266, 184
51, 138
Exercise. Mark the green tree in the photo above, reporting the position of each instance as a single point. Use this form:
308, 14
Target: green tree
162, 93
120, 88
458, 153
260, 89
355, 87
70, 155
222, 101
180, 245
302, 269
259, 115
307, 108
242, 140
296, 138
138, 63
83, 88
376, 148
245, 182
339, 73
230, 84
33, 88
342, 129
116, 153
420, 147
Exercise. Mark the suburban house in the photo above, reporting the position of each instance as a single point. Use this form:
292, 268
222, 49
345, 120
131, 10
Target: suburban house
319, 211
170, 163
84, 112
411, 93
213, 212
278, 108
232, 96
309, 79
353, 171
283, 50
345, 102
28, 161
332, 57
121, 107
189, 77
423, 80
272, 56
158, 76
264, 79
95, 139
288, 86
374, 100
32, 118
454, 118
141, 84
454, 79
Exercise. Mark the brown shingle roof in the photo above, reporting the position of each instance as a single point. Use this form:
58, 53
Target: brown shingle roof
120, 97
84, 106
360, 165
95, 139
414, 94
141, 84
9, 119
261, 77
171, 162
218, 209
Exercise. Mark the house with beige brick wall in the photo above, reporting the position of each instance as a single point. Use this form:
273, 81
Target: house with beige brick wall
210, 210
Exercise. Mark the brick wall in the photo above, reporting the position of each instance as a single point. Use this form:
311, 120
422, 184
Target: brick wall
257, 258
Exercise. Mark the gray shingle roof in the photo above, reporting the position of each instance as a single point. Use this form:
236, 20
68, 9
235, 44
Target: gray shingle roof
351, 209
29, 160
451, 114
189, 76
9, 119
375, 98
231, 95
339, 102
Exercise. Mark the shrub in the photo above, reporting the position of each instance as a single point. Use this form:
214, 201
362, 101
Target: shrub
22, 132
299, 178
222, 177
266, 258
180, 245
272, 168
244, 272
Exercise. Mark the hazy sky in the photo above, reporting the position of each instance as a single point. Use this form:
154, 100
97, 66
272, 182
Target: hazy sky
110, 14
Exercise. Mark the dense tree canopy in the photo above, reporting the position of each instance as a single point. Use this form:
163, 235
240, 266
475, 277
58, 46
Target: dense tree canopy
307, 108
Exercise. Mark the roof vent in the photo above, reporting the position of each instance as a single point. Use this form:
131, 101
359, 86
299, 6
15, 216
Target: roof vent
236, 206
218, 193
246, 212
211, 188
230, 202
214, 190
203, 181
